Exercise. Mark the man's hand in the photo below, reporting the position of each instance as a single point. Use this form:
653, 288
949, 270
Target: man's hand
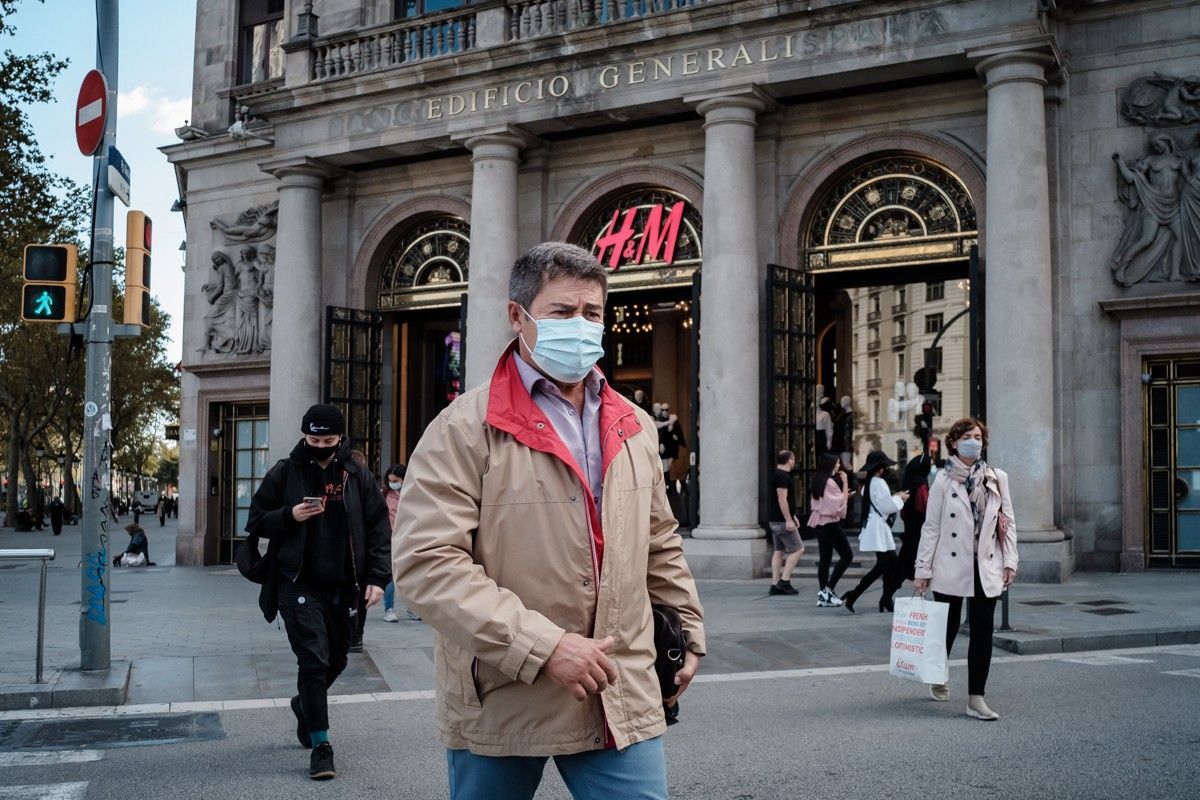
302, 512
373, 595
683, 678
581, 665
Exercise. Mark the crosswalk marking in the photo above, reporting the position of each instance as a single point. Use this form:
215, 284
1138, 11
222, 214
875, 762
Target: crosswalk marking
1107, 660
44, 758
1185, 673
50, 791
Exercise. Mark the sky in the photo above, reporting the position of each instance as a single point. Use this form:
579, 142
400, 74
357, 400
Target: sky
157, 39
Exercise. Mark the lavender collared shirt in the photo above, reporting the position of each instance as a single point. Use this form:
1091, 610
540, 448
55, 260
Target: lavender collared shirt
581, 436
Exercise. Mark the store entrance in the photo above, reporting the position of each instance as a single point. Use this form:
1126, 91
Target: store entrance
648, 349
427, 372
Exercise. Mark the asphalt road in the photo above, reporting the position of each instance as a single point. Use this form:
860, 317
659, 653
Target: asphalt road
1116, 724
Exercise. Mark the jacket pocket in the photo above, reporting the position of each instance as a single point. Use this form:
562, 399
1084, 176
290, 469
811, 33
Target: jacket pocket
482, 680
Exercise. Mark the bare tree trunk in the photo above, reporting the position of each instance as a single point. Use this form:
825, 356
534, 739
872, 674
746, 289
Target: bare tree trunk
12, 466
33, 489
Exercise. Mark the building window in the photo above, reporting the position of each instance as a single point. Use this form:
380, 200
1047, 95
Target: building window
406, 9
856, 312
933, 323
901, 296
875, 368
935, 291
261, 40
874, 331
875, 304
901, 450
900, 327
875, 411
856, 340
900, 366
933, 358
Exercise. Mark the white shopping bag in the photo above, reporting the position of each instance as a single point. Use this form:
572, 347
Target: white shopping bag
918, 650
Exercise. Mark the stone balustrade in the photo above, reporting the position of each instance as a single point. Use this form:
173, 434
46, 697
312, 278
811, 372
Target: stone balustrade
529, 19
393, 45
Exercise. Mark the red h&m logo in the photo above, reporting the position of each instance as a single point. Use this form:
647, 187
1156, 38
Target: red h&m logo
628, 246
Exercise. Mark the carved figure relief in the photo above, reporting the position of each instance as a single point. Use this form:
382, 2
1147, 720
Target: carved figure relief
1161, 239
241, 292
1162, 100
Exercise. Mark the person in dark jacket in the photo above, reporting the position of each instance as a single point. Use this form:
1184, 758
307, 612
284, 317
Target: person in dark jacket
330, 543
138, 545
56, 515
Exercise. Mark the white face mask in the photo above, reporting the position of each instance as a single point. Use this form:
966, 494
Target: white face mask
970, 448
395, 485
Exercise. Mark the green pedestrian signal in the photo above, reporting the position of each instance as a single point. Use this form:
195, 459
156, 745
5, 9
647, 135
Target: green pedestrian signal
48, 294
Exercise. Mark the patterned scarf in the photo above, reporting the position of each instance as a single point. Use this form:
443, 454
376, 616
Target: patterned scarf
974, 479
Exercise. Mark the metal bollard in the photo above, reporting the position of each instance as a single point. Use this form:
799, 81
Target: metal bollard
46, 554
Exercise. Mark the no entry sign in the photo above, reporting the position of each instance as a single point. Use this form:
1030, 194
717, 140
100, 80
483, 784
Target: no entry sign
91, 112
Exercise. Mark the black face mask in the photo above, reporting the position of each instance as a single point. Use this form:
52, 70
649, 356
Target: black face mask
320, 453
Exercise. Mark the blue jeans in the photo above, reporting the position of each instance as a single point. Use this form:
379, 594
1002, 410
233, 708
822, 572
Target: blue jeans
389, 596
636, 773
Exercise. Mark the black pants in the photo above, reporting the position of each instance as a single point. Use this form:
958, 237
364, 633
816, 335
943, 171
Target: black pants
318, 624
884, 567
831, 537
906, 560
981, 614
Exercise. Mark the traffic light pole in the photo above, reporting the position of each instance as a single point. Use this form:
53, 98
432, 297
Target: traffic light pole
94, 630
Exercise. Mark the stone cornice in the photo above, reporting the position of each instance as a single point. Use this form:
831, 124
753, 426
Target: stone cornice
1151, 305
300, 166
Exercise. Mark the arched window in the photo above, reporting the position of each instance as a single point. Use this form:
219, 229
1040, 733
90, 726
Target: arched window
431, 260
644, 229
891, 211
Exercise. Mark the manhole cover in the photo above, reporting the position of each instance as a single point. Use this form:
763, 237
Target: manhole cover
75, 734
1040, 603
1108, 611
1099, 602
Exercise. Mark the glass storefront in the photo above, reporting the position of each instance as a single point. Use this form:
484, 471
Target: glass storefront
1173, 460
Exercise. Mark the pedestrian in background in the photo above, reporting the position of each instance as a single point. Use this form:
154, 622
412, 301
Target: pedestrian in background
534, 536
785, 528
162, 511
360, 621
969, 550
914, 480
393, 483
830, 493
56, 515
330, 545
876, 535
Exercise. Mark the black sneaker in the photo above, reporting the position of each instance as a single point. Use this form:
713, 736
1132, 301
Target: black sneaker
776, 588
301, 725
320, 766
787, 587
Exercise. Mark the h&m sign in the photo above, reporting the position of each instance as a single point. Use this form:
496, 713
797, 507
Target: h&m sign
640, 235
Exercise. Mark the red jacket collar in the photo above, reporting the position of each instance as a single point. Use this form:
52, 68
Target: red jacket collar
512, 410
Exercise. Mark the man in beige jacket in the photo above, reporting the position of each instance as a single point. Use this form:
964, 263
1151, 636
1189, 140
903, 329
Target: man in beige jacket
534, 536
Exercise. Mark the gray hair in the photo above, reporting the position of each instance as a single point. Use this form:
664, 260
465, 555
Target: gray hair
548, 261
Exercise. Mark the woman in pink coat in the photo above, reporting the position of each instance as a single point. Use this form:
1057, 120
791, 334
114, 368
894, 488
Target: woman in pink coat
968, 549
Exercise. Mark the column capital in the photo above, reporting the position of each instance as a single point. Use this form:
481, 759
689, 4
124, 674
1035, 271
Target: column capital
735, 104
497, 141
1023, 62
300, 171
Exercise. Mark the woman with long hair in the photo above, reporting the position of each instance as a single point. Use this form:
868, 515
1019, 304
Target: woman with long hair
830, 492
968, 550
876, 536
393, 480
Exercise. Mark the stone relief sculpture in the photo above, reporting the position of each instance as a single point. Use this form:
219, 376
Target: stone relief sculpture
1162, 100
241, 293
1161, 239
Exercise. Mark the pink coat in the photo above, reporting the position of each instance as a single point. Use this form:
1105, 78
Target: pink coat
829, 507
948, 551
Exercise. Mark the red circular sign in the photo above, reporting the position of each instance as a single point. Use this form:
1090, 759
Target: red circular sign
91, 112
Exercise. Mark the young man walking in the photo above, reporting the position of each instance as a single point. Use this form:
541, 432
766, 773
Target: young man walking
533, 537
330, 541
785, 528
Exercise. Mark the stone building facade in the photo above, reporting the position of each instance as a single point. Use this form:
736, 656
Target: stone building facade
391, 159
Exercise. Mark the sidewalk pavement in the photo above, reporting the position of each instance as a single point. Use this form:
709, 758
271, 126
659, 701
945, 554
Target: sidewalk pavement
196, 634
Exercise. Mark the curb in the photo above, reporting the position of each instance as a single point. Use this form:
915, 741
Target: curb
68, 688
1030, 644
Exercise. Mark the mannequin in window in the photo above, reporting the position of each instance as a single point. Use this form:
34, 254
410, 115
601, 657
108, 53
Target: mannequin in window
845, 432
642, 401
670, 439
903, 407
824, 426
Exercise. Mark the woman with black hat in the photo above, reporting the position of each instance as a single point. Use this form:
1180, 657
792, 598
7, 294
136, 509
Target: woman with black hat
876, 535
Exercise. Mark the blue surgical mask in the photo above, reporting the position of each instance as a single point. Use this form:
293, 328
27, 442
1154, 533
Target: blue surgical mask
395, 485
566, 349
970, 448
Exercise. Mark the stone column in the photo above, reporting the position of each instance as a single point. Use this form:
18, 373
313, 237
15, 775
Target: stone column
297, 344
494, 157
1020, 353
729, 541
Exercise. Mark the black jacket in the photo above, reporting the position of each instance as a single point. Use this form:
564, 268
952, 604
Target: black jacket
286, 484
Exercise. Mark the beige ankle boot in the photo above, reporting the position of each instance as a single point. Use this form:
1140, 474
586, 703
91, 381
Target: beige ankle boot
979, 710
940, 692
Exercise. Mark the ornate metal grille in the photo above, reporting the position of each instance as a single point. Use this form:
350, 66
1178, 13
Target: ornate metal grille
687, 254
429, 264
889, 211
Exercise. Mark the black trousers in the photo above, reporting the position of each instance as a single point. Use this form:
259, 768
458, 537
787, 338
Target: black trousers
906, 560
981, 614
318, 625
831, 537
884, 567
